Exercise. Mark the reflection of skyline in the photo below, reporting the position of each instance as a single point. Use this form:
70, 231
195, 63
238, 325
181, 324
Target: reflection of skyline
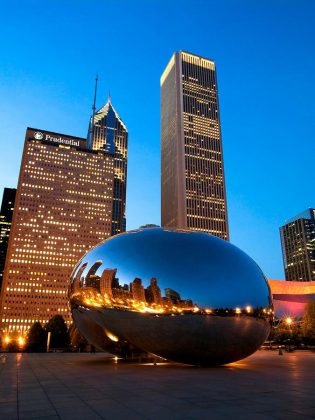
129, 295
104, 290
172, 257
94, 285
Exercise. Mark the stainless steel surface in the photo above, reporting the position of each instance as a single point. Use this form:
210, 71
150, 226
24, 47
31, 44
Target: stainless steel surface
186, 296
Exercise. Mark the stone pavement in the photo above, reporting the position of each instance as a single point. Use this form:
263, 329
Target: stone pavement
95, 386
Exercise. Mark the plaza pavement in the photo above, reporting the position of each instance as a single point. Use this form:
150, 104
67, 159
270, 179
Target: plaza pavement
95, 386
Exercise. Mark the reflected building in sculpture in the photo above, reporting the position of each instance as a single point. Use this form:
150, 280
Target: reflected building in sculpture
137, 290
108, 132
153, 292
63, 207
193, 184
298, 247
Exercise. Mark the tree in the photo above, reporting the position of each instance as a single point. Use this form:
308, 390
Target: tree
76, 339
59, 332
36, 338
287, 331
308, 324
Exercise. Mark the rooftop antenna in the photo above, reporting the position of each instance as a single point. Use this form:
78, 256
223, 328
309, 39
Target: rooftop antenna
108, 100
93, 111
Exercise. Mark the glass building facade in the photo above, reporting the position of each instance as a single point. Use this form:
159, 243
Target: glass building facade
109, 133
6, 214
193, 185
298, 247
63, 208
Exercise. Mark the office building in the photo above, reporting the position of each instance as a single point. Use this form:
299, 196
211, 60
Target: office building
63, 207
6, 214
137, 290
107, 132
298, 247
153, 292
193, 185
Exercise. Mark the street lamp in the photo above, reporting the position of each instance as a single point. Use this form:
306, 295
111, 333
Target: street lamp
288, 320
21, 341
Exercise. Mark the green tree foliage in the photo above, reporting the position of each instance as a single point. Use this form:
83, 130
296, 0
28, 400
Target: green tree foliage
36, 338
308, 324
285, 331
59, 338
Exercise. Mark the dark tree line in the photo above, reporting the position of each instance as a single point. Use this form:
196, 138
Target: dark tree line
37, 335
61, 337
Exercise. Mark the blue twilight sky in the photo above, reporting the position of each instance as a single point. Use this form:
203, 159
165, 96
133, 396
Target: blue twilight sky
50, 52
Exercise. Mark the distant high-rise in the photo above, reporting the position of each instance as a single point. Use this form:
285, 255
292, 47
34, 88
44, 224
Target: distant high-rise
298, 247
137, 290
109, 133
193, 185
5, 225
153, 292
63, 207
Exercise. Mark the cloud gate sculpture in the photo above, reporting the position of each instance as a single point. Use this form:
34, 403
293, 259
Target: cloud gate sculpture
185, 296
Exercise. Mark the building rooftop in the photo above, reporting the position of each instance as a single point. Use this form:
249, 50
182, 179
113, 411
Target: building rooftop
306, 214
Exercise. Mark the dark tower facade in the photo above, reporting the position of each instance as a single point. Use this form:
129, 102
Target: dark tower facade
192, 184
298, 247
6, 215
109, 133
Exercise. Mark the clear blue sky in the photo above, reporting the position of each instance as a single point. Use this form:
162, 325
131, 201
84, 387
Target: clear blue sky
264, 52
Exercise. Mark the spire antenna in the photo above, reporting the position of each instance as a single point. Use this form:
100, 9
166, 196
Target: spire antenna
108, 100
93, 111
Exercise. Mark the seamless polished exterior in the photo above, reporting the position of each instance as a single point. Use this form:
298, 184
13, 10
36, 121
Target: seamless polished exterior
185, 296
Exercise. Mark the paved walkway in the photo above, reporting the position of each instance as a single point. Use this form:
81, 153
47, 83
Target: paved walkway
95, 386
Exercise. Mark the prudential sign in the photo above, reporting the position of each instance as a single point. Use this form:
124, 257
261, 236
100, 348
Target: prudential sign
38, 135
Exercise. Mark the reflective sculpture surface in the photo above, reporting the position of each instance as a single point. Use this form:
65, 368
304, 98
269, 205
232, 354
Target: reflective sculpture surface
185, 296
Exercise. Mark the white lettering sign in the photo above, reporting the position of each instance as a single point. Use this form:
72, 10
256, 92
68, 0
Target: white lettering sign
70, 142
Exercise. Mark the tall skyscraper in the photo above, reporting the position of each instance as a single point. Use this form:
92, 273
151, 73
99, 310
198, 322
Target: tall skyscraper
63, 207
109, 133
6, 215
193, 185
298, 247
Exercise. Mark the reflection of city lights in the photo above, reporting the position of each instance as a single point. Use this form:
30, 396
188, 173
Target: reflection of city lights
111, 336
289, 320
125, 298
7, 339
21, 341
92, 298
134, 297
